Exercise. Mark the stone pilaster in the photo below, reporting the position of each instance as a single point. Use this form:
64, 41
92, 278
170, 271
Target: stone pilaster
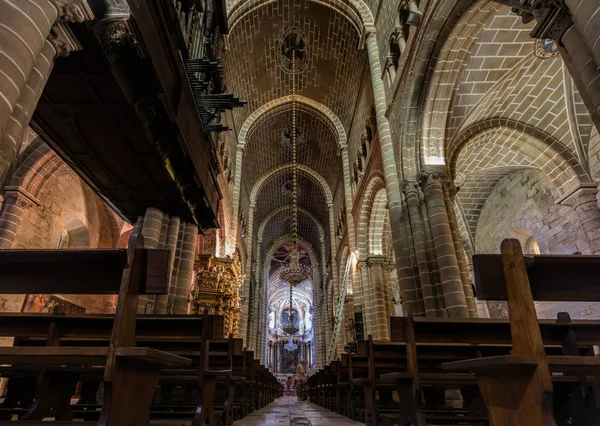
583, 200
390, 171
411, 192
449, 194
452, 286
376, 268
16, 202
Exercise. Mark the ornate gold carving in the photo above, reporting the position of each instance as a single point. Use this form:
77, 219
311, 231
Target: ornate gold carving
217, 286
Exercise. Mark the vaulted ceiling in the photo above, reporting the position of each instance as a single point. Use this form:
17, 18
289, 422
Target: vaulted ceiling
258, 69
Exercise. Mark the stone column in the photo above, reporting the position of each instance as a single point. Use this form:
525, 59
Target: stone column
449, 194
169, 240
32, 35
16, 201
376, 267
188, 237
235, 200
454, 295
411, 191
247, 310
390, 170
369, 309
151, 230
583, 200
358, 293
584, 71
181, 238
586, 17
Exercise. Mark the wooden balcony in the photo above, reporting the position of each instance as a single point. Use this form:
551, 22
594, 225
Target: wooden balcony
124, 114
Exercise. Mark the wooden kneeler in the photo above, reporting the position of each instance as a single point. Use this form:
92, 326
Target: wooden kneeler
517, 388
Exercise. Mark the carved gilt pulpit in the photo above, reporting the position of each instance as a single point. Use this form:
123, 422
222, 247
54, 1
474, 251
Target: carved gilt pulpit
217, 285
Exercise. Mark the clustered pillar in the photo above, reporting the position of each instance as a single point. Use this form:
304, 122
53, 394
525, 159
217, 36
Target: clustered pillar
161, 231
33, 34
445, 251
391, 175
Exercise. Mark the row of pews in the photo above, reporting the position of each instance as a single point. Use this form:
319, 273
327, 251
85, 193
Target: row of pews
122, 369
521, 371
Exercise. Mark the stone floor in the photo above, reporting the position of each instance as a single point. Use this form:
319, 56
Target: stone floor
288, 411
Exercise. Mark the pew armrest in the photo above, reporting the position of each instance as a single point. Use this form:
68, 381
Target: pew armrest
504, 362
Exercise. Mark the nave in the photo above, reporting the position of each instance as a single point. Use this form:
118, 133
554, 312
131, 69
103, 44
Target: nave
288, 411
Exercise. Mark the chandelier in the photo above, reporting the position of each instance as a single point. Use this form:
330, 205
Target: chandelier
291, 328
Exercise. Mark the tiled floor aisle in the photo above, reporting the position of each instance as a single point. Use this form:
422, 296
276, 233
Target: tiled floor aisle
287, 411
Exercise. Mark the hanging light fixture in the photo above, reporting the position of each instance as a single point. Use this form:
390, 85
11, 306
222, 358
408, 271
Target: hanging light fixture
294, 273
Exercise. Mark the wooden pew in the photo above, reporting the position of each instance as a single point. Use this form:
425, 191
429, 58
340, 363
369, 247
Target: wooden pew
130, 372
517, 387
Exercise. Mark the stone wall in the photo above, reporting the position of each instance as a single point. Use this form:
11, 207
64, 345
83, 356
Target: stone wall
521, 206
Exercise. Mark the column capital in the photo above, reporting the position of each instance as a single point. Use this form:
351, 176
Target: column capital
369, 32
15, 195
63, 40
431, 174
585, 193
75, 10
397, 34
376, 260
410, 186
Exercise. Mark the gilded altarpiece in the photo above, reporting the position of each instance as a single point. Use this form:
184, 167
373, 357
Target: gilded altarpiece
217, 285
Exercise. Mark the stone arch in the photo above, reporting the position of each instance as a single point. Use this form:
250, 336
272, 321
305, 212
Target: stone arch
356, 11
277, 104
37, 164
443, 79
533, 148
284, 167
377, 221
275, 212
375, 184
435, 29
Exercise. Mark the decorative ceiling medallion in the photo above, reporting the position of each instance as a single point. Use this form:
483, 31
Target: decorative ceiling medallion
293, 39
546, 48
286, 136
